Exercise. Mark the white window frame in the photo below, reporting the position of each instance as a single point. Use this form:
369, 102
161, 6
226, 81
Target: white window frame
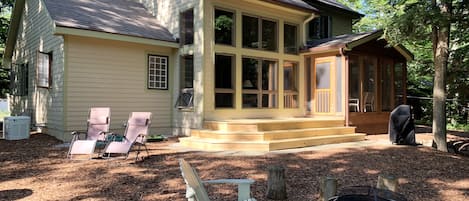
157, 72
44, 61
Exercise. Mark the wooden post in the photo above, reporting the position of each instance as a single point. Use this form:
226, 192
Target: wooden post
276, 188
327, 188
387, 182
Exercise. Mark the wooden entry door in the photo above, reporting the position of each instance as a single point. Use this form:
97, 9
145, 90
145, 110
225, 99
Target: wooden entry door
323, 85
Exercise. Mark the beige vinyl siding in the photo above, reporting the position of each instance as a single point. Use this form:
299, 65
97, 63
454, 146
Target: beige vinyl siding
341, 25
105, 73
45, 106
167, 12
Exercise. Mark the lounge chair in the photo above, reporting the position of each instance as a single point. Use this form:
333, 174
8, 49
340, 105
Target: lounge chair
97, 127
136, 132
195, 186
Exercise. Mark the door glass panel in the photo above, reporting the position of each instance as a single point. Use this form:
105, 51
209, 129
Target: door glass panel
323, 90
323, 75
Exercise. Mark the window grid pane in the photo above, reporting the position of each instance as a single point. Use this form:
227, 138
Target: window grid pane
157, 72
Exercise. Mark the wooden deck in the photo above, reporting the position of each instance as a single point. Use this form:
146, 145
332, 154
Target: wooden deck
269, 134
370, 122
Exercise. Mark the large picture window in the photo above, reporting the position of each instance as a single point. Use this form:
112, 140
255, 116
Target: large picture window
224, 81
187, 27
157, 72
44, 61
320, 28
259, 83
259, 33
290, 39
187, 72
224, 27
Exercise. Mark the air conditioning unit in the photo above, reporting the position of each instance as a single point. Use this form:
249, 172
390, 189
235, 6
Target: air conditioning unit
16, 128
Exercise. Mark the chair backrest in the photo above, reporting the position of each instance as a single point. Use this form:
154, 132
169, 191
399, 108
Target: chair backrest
369, 97
138, 123
98, 121
193, 181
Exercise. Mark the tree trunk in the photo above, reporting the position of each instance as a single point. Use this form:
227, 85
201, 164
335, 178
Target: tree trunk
327, 188
440, 37
387, 182
276, 188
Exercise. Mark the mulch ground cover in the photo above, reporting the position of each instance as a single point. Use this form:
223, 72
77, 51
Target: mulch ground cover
37, 169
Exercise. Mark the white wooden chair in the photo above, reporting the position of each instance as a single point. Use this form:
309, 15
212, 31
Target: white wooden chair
354, 103
369, 102
195, 186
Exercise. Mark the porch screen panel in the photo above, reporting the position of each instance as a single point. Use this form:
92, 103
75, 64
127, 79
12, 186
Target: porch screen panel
338, 84
308, 86
369, 84
399, 83
323, 87
386, 86
354, 84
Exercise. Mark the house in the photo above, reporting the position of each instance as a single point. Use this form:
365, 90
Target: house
273, 73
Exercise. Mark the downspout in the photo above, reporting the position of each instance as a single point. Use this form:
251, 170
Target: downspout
304, 27
347, 112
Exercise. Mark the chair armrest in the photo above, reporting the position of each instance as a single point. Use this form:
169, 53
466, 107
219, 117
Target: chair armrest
76, 135
244, 186
229, 181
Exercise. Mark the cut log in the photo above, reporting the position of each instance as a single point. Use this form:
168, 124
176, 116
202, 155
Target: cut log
387, 182
276, 188
327, 188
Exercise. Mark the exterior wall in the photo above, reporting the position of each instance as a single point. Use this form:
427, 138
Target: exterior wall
341, 25
45, 106
261, 9
167, 12
107, 73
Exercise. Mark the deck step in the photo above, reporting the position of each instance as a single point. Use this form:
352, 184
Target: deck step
218, 145
271, 135
255, 125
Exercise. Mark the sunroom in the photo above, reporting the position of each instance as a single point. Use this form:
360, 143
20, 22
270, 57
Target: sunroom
372, 73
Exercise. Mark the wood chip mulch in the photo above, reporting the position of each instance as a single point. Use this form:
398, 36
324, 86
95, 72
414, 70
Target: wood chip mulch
37, 169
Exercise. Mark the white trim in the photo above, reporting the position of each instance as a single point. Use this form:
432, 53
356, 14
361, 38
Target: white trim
110, 36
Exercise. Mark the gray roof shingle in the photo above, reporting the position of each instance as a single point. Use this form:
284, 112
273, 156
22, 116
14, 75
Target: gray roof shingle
124, 17
295, 4
340, 41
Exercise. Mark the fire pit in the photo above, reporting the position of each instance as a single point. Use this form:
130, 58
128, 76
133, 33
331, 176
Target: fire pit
367, 193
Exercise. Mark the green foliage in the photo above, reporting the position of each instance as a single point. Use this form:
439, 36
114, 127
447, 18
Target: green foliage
409, 22
5, 12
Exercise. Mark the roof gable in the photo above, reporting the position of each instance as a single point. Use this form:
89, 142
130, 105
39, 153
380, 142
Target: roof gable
124, 17
349, 41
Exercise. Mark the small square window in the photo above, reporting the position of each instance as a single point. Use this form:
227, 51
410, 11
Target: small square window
157, 72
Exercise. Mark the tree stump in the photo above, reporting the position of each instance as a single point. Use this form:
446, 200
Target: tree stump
387, 182
327, 188
276, 188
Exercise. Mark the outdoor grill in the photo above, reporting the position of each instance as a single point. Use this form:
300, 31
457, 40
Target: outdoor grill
367, 193
401, 126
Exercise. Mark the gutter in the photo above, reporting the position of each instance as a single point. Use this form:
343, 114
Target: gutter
304, 27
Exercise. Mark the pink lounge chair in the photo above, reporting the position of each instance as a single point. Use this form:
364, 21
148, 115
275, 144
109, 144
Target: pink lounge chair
97, 127
135, 134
